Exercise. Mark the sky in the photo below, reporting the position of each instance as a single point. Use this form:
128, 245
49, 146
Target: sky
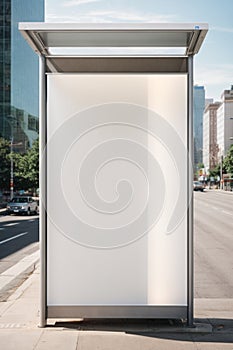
213, 65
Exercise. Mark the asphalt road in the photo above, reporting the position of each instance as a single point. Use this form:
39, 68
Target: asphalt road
213, 239
19, 236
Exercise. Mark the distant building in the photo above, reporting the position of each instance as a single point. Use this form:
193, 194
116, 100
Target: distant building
198, 110
208, 101
225, 122
210, 146
19, 85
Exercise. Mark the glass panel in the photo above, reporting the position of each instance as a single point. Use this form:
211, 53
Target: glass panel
117, 201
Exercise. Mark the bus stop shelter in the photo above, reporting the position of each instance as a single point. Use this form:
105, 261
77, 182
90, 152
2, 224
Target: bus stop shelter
116, 145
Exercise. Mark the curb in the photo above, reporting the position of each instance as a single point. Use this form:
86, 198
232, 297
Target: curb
15, 275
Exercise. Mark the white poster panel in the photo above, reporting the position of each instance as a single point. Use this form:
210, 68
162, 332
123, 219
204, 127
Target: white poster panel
117, 189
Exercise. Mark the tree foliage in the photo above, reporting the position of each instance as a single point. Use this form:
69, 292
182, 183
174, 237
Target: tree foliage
26, 167
200, 165
215, 171
228, 161
4, 164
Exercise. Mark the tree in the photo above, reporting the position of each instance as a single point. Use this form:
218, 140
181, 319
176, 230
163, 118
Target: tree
215, 171
27, 168
228, 161
200, 166
4, 164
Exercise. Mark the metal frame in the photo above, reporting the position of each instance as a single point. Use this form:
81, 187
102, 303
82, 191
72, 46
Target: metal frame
117, 64
114, 64
42, 36
190, 267
118, 311
43, 193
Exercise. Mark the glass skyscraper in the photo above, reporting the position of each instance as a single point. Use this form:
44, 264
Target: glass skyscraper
198, 111
19, 86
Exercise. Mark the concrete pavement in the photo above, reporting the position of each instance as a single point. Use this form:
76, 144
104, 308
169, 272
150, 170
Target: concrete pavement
19, 318
15, 275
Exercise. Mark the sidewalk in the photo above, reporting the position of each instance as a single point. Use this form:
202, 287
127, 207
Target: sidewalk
13, 277
19, 318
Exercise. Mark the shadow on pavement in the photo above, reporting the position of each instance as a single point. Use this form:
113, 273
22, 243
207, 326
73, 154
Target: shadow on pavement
117, 325
161, 329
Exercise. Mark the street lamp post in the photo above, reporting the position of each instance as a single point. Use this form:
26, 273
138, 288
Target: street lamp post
12, 171
221, 172
12, 167
10, 122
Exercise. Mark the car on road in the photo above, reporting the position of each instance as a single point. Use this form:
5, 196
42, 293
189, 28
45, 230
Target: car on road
198, 186
22, 205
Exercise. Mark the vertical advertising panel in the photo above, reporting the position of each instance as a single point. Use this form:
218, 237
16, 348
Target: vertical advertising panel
117, 189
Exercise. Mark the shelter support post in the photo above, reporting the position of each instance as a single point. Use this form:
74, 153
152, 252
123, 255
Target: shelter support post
190, 193
43, 217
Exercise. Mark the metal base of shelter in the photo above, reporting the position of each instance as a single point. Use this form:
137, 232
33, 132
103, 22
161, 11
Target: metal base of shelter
118, 311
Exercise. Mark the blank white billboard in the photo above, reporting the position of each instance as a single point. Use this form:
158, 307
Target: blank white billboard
117, 189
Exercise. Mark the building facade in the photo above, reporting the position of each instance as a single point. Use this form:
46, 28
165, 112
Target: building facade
198, 110
19, 89
210, 145
208, 101
225, 122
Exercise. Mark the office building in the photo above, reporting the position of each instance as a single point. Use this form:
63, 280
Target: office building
19, 89
208, 101
225, 122
210, 146
198, 110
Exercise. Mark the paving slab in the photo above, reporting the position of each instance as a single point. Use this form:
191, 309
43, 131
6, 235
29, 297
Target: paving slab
21, 310
58, 340
220, 345
123, 341
213, 308
19, 339
106, 341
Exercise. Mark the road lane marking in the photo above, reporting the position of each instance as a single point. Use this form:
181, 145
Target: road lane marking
12, 224
11, 238
32, 220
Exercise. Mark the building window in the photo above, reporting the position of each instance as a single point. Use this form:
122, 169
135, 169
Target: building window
33, 123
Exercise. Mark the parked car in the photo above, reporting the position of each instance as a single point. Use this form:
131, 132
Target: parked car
22, 205
198, 186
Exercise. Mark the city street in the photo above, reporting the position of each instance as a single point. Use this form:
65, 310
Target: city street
19, 236
213, 238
